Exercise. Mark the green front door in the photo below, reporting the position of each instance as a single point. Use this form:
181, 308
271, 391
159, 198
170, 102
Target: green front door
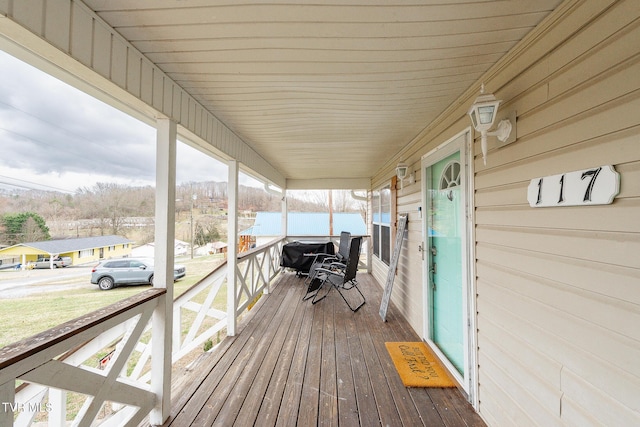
445, 228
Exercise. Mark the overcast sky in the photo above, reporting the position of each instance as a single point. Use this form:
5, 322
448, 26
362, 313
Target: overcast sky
53, 136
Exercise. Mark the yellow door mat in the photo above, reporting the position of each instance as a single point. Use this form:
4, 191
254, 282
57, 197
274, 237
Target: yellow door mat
417, 365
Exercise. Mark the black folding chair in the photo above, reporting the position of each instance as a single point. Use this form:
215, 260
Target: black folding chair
344, 280
323, 260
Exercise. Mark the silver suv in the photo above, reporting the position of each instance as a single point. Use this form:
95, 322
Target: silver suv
128, 271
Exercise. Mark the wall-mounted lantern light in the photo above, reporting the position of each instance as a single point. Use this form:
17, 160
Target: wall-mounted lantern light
483, 113
401, 172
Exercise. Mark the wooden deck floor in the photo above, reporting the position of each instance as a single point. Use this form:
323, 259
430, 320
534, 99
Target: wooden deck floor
295, 363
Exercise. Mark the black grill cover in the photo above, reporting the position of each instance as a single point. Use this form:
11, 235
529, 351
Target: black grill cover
293, 254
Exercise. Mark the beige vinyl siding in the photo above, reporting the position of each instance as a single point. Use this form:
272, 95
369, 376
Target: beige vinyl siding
558, 289
410, 272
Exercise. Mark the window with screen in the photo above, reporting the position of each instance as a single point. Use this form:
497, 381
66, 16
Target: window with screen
381, 207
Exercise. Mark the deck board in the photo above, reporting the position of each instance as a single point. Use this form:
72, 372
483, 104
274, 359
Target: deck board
294, 363
346, 388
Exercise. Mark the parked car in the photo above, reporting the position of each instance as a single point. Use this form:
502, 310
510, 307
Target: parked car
128, 271
58, 262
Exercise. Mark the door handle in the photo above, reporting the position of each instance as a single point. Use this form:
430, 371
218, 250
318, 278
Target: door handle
434, 271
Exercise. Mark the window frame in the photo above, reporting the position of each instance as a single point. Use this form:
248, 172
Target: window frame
381, 221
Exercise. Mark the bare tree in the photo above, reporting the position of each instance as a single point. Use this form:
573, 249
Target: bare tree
109, 208
110, 204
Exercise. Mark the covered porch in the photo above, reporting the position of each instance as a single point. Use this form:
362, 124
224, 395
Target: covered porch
297, 363
337, 96
290, 362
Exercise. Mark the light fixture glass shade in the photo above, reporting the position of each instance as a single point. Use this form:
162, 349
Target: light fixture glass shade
474, 120
401, 170
486, 114
483, 111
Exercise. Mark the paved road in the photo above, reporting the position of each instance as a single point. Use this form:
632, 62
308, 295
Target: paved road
20, 283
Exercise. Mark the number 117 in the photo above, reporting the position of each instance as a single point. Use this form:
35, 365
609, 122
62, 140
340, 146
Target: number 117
593, 173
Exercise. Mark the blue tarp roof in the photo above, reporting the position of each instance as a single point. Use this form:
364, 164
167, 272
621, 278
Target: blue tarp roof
306, 224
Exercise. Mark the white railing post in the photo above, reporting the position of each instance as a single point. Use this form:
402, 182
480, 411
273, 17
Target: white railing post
162, 321
232, 248
7, 402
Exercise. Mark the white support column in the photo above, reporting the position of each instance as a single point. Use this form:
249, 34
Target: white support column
370, 238
232, 248
284, 210
283, 227
162, 320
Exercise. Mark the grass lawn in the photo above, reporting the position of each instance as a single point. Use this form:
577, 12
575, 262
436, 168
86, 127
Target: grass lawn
23, 317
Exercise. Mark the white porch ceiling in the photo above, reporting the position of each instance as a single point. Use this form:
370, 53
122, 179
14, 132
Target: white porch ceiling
326, 90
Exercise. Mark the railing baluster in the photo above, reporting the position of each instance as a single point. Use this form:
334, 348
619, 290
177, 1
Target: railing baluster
58, 408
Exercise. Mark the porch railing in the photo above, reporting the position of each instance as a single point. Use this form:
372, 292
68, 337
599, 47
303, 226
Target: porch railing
100, 363
256, 269
38, 374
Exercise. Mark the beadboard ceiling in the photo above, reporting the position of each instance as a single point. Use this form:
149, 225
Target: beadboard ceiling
329, 89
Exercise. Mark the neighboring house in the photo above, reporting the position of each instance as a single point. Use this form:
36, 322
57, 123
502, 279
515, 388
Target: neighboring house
80, 250
181, 248
269, 225
212, 248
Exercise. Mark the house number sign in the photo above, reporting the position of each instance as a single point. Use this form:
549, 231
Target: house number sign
595, 186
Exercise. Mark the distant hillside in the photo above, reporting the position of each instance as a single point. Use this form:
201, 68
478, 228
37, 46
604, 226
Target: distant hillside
129, 211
